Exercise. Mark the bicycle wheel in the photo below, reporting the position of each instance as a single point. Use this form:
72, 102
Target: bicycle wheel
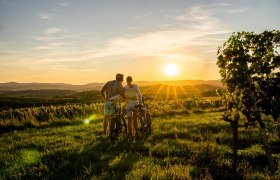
124, 125
119, 125
113, 128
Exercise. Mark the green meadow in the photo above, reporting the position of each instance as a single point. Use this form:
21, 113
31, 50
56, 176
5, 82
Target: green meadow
193, 145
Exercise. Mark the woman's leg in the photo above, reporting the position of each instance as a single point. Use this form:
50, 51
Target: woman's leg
133, 123
129, 119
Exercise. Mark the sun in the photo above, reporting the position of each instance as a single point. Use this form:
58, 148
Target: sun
171, 69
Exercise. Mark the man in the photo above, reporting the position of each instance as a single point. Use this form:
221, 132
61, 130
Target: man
133, 98
111, 90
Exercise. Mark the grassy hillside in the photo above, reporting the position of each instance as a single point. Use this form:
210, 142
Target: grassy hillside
14, 86
46, 97
45, 93
35, 98
154, 90
217, 83
194, 146
177, 90
93, 94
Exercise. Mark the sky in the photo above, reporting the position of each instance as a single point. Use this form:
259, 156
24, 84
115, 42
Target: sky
85, 41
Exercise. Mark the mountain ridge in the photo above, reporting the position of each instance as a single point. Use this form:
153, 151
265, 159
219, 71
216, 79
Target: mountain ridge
15, 86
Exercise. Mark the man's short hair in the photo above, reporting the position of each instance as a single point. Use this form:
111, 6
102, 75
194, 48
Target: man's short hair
119, 76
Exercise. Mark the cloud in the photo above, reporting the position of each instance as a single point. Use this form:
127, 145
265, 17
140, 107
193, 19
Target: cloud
208, 11
64, 3
11, 57
197, 15
218, 5
238, 10
192, 41
157, 43
142, 16
51, 46
52, 30
165, 25
132, 28
203, 31
45, 16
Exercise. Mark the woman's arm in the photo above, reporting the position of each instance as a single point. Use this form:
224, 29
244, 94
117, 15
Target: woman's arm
139, 95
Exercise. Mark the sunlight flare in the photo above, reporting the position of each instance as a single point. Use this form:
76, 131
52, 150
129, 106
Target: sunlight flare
86, 121
90, 118
171, 69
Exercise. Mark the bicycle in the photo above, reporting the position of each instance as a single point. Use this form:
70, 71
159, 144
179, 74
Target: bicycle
117, 122
143, 119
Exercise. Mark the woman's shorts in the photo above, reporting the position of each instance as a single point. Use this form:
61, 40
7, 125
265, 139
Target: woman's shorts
130, 107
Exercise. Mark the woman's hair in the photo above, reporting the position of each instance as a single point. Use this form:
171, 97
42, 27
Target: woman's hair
129, 79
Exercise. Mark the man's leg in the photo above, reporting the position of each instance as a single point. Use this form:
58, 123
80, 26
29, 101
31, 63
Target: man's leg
107, 111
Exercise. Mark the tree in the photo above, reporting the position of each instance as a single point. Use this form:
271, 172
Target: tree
250, 69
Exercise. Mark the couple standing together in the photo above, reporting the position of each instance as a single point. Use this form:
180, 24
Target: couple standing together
112, 91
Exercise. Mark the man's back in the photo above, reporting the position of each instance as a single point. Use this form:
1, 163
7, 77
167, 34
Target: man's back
112, 88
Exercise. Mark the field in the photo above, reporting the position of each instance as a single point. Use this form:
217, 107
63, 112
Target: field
189, 141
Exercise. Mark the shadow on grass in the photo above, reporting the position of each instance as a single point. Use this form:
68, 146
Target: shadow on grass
43, 125
197, 132
99, 159
192, 131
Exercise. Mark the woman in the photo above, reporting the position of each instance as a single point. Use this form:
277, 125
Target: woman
133, 98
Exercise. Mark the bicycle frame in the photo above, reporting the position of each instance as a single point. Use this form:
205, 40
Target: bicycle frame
116, 126
143, 118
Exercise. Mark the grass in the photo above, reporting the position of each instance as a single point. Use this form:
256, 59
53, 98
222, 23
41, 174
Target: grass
192, 146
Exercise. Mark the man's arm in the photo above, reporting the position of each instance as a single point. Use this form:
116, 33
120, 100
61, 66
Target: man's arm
103, 91
122, 91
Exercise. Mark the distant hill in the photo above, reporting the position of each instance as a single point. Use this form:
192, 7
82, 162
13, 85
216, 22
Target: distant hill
46, 93
36, 98
52, 93
158, 89
14, 86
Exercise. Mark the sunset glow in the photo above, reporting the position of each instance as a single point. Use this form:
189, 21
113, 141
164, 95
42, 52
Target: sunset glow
81, 42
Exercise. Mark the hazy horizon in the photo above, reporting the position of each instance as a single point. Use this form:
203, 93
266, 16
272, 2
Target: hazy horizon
113, 79
79, 42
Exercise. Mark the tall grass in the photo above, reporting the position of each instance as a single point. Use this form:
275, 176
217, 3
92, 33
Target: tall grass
36, 116
193, 146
